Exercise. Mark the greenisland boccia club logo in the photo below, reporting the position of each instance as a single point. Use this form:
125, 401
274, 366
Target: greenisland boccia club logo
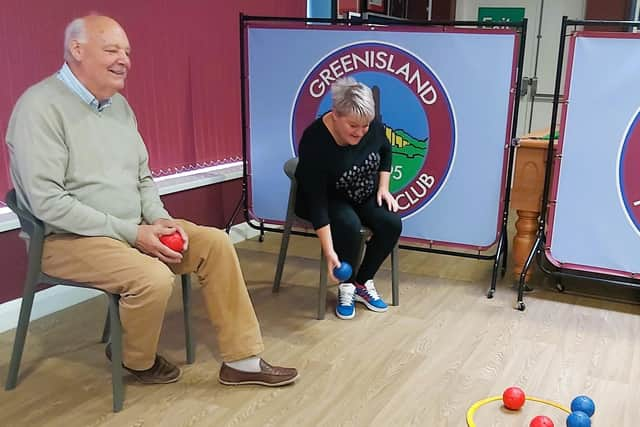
413, 107
629, 173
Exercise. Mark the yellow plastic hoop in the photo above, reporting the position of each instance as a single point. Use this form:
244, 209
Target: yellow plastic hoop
473, 408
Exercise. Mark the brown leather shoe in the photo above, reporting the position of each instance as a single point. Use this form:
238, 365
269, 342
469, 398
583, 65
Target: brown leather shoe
270, 376
162, 371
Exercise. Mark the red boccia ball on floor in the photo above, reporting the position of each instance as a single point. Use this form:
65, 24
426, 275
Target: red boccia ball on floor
541, 421
173, 241
513, 398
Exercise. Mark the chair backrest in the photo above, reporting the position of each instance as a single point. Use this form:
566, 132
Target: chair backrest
29, 223
32, 226
289, 168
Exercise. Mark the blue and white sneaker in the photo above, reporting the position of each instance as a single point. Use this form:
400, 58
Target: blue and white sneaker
367, 295
346, 307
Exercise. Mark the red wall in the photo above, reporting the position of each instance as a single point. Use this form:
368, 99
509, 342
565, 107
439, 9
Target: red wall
184, 83
614, 10
443, 10
13, 264
212, 205
608, 9
345, 6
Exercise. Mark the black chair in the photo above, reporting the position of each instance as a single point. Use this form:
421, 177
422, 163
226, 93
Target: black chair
290, 170
34, 228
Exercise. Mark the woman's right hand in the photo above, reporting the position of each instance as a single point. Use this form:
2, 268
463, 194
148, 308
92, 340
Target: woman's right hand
332, 262
324, 234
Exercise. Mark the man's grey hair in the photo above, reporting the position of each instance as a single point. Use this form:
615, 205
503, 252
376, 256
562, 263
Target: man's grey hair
76, 30
351, 97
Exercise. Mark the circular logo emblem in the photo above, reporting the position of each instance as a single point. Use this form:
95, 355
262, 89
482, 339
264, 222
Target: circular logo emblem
629, 173
411, 103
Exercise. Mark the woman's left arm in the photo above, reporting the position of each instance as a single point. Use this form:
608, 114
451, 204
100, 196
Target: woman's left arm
383, 192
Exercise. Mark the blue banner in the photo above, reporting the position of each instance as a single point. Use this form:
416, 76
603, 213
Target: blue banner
595, 222
445, 99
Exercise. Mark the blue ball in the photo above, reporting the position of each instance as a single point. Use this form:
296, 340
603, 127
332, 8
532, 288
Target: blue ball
343, 271
583, 404
578, 419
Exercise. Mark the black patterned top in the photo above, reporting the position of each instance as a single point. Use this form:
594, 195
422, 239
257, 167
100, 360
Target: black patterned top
328, 171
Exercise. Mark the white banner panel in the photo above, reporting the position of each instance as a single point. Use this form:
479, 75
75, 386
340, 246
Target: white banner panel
595, 223
445, 99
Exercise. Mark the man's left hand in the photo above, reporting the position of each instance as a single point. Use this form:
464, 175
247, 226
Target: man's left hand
173, 224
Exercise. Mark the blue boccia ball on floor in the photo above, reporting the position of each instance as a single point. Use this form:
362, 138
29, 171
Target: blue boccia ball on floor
343, 271
583, 404
578, 419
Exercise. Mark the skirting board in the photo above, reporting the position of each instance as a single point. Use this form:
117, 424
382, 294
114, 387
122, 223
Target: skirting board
58, 298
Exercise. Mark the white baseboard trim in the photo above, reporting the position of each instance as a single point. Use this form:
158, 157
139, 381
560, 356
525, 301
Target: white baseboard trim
241, 232
57, 298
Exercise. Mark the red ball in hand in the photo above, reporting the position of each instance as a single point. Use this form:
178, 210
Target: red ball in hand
513, 398
173, 241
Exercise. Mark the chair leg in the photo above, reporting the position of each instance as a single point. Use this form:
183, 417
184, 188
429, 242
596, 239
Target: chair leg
284, 246
395, 292
186, 302
322, 289
107, 329
21, 330
116, 352
363, 242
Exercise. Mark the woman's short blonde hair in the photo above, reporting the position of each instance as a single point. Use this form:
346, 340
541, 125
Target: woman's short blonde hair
349, 97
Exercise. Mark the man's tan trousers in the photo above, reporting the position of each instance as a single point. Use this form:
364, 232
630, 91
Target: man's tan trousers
145, 284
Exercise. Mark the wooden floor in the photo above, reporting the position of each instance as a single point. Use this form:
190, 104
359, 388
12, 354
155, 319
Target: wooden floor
423, 363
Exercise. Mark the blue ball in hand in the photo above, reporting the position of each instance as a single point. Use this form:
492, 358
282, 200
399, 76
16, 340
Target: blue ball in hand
578, 419
343, 271
583, 404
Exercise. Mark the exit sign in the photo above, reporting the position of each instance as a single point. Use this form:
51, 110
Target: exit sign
500, 14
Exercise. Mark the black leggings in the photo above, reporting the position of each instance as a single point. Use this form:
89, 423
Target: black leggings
346, 221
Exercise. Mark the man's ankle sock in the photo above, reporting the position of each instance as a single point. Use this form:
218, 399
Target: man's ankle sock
250, 364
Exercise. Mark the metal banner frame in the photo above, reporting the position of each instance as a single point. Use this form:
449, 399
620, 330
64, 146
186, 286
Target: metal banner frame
499, 257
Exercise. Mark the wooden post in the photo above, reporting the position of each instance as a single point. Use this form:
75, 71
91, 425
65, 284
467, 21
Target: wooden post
526, 195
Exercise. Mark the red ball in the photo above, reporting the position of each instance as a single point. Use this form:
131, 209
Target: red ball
173, 241
513, 398
541, 421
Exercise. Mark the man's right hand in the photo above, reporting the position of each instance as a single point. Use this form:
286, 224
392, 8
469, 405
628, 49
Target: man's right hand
148, 241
